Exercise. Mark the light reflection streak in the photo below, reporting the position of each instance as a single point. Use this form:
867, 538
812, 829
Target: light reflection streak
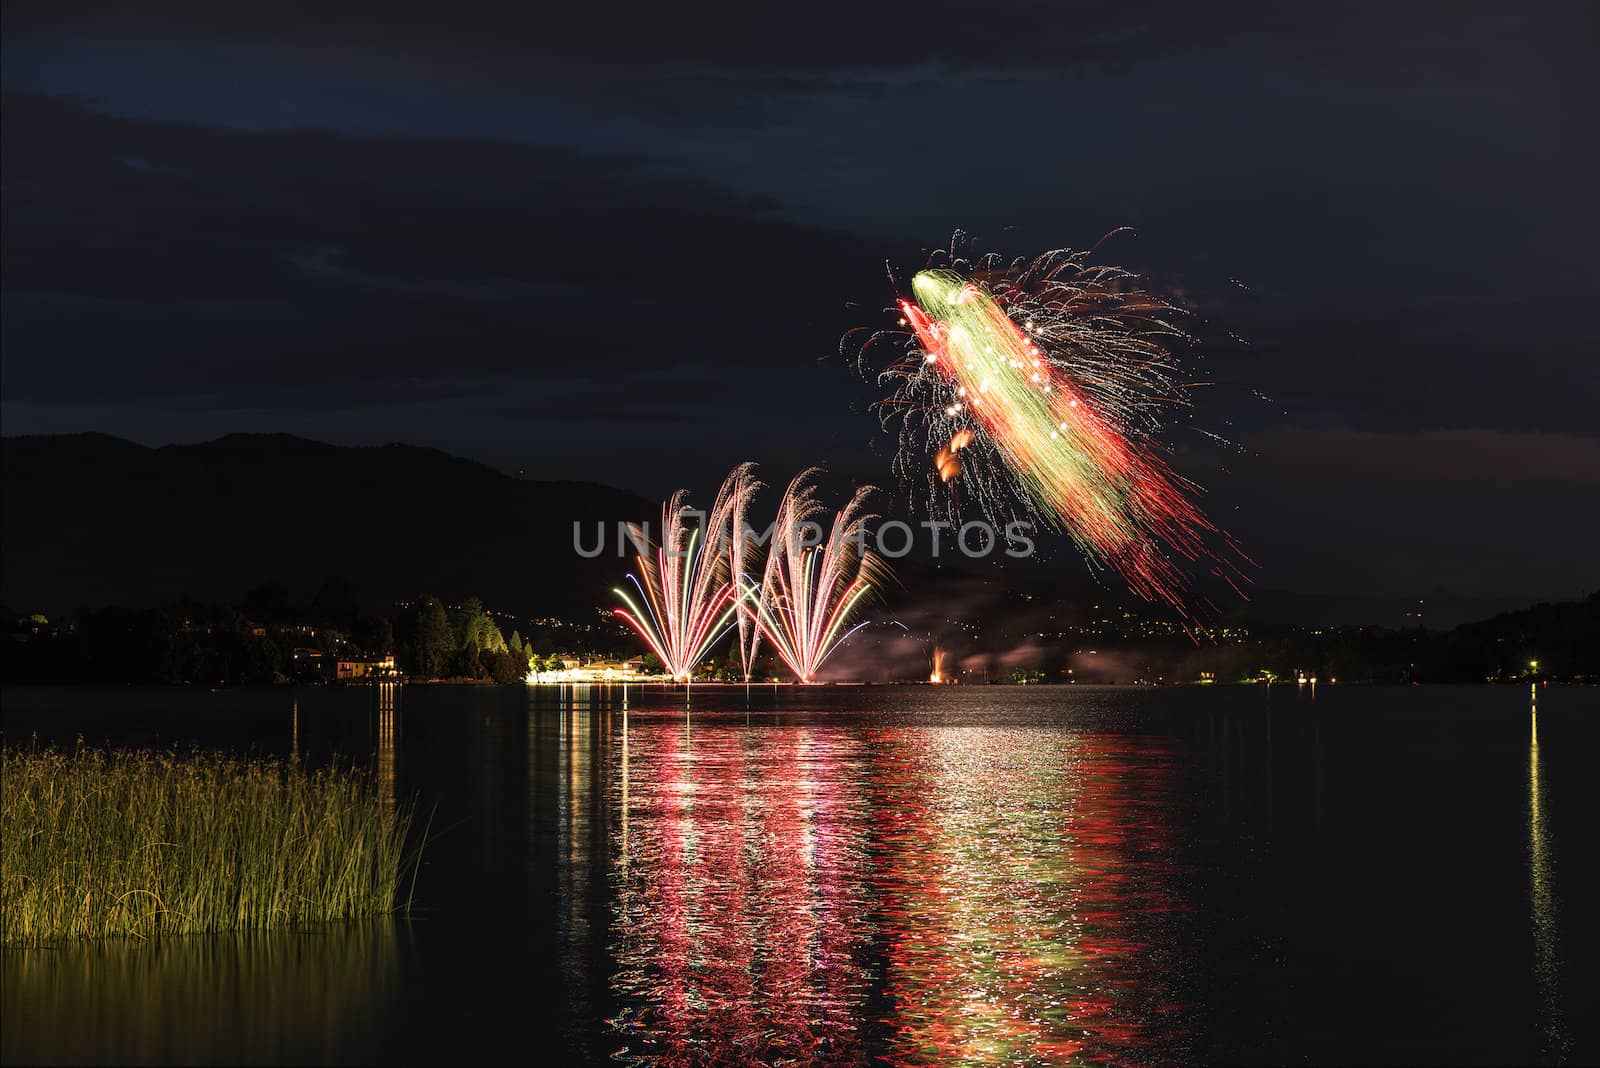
574, 835
808, 894
388, 728
1554, 1041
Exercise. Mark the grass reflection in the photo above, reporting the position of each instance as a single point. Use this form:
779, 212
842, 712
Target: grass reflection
259, 997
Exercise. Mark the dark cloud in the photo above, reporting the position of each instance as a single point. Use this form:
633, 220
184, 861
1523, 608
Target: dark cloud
518, 39
610, 241
1410, 376
630, 399
166, 258
1439, 458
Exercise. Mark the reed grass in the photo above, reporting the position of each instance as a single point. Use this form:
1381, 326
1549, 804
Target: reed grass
97, 844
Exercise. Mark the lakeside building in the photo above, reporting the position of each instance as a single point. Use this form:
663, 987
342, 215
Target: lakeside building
316, 664
348, 669
572, 670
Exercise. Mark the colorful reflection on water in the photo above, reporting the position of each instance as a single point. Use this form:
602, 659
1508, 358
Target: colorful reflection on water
931, 875
812, 893
1028, 897
742, 901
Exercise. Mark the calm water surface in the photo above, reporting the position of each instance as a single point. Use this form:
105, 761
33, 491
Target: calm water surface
1029, 875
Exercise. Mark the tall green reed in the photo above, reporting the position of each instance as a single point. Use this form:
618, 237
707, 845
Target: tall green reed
96, 844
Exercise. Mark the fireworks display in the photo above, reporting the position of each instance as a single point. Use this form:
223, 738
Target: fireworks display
1045, 385
689, 598
738, 490
699, 583
809, 593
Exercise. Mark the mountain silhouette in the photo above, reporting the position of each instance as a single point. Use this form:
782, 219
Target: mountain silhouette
91, 519
94, 520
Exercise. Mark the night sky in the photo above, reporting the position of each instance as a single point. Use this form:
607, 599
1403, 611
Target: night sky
621, 242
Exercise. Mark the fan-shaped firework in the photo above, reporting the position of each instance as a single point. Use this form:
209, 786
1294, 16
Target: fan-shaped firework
1044, 385
810, 593
686, 585
738, 490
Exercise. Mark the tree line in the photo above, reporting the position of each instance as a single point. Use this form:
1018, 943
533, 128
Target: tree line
256, 639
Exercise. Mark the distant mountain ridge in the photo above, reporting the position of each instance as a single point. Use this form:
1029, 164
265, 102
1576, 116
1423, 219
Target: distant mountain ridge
91, 519
1439, 609
94, 519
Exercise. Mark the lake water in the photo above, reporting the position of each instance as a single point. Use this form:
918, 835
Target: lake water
1024, 875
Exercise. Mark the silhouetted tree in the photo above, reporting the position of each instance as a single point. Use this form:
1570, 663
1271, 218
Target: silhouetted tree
506, 667
375, 635
268, 602
435, 640
468, 621
466, 663
337, 603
